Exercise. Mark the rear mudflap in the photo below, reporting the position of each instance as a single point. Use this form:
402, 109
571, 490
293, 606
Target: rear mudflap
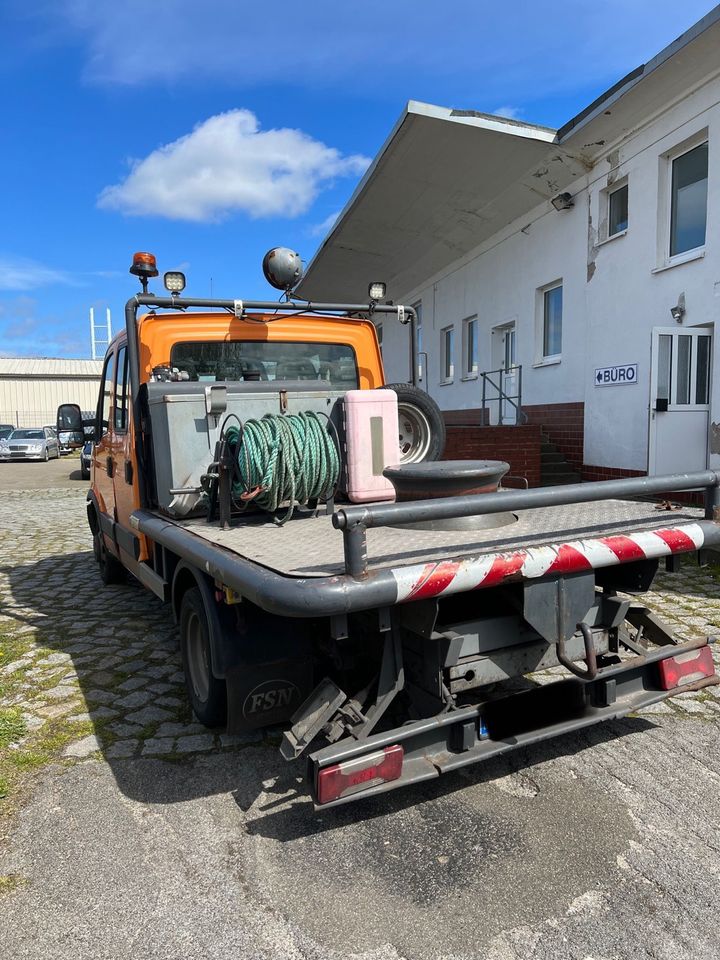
262, 691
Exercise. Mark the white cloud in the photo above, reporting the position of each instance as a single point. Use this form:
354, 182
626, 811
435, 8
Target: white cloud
320, 229
228, 165
20, 273
512, 113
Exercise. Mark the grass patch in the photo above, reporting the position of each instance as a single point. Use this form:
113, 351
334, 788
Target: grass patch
12, 726
28, 759
12, 647
10, 882
42, 747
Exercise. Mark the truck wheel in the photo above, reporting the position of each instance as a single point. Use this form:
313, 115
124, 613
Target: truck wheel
208, 695
111, 570
422, 427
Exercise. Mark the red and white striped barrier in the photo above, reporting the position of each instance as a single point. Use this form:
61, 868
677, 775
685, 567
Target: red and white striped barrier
424, 580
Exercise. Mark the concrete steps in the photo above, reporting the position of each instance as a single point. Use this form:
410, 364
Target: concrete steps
554, 468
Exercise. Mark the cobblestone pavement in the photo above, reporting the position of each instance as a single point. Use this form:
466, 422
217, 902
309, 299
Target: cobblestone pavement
603, 845
102, 669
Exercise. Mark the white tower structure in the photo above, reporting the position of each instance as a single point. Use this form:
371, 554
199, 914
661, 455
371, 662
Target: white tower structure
100, 334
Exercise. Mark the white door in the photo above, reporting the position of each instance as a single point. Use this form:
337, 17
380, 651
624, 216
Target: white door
509, 375
679, 400
503, 380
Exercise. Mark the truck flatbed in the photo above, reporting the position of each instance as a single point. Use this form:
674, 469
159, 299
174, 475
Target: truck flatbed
309, 546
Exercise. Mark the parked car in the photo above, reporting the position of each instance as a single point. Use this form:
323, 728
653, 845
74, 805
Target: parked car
40, 443
5, 430
86, 460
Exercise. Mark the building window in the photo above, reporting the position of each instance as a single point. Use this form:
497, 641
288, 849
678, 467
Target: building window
470, 347
618, 211
688, 212
447, 348
552, 321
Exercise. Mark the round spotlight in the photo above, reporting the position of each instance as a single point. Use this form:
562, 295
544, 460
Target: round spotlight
282, 268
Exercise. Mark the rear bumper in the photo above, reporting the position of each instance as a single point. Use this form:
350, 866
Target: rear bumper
5, 458
476, 733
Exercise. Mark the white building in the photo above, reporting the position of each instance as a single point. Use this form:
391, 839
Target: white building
32, 388
456, 214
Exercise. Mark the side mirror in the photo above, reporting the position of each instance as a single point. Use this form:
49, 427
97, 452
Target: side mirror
69, 425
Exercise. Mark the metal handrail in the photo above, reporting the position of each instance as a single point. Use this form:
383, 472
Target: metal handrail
502, 397
354, 521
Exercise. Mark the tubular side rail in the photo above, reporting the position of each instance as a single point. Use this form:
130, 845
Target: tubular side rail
293, 596
354, 521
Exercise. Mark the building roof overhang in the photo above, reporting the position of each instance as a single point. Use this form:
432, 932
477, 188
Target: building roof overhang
446, 181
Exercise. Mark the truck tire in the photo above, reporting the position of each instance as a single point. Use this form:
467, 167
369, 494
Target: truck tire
422, 427
111, 570
208, 695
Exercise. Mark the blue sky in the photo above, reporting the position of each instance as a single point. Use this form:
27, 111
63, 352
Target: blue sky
207, 133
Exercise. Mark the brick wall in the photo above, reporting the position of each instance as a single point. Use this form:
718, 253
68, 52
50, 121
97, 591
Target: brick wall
475, 417
519, 446
590, 472
564, 425
692, 498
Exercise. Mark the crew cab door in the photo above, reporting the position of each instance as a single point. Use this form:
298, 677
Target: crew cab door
103, 465
123, 473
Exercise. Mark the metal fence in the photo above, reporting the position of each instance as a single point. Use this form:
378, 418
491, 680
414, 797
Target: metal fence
28, 418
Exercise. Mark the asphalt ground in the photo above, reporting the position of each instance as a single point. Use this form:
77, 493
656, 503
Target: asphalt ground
139, 834
38, 475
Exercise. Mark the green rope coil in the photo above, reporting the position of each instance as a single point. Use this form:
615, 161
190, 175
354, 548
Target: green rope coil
284, 459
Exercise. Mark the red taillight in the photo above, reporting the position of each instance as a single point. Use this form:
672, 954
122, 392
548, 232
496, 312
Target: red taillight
342, 779
686, 668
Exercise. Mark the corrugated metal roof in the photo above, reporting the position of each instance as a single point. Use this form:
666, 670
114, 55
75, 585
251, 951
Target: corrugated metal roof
48, 367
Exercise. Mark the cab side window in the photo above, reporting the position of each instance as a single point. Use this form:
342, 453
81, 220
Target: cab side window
106, 392
120, 406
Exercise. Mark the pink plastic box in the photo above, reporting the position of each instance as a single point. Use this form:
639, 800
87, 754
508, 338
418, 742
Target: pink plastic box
371, 434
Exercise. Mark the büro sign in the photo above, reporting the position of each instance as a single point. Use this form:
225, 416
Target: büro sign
619, 376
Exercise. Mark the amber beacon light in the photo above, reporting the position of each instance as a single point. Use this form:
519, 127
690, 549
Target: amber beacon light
144, 266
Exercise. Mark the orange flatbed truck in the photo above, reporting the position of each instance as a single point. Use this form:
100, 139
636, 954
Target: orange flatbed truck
395, 641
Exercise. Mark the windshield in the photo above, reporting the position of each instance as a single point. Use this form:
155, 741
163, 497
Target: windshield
27, 435
5, 432
333, 363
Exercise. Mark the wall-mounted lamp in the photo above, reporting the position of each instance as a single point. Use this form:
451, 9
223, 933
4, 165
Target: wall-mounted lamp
563, 201
678, 311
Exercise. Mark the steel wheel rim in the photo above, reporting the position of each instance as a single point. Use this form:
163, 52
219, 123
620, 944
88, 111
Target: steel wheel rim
197, 658
414, 433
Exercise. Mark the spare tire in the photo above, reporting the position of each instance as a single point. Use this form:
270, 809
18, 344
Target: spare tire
422, 427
